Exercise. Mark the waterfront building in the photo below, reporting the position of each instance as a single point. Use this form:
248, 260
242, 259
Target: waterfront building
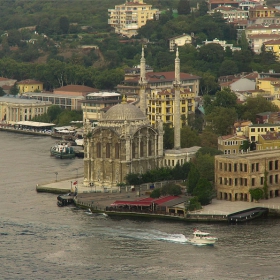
74, 90
127, 18
29, 86
14, 109
236, 175
95, 102
69, 102
123, 142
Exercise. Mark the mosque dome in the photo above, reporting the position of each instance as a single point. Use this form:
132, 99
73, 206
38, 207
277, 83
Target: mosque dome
124, 111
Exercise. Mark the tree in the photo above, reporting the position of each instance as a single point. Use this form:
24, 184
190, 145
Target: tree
155, 193
193, 204
212, 53
14, 90
203, 8
184, 7
208, 139
205, 165
228, 67
53, 112
2, 92
245, 146
256, 194
189, 137
204, 191
225, 98
193, 178
168, 137
221, 120
257, 105
64, 24
171, 189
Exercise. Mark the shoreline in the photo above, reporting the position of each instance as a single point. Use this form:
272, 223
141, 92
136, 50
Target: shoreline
217, 211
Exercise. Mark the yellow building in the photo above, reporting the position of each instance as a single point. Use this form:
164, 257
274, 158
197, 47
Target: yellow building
273, 46
29, 86
13, 109
261, 11
270, 86
127, 18
96, 102
270, 140
256, 130
236, 175
230, 144
161, 104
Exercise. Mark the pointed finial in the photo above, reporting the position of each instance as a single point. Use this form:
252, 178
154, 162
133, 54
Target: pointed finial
177, 53
124, 99
143, 54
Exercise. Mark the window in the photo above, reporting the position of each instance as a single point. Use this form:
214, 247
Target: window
225, 166
98, 150
270, 165
150, 147
253, 182
235, 167
276, 178
276, 165
141, 148
271, 179
252, 129
252, 167
245, 167
240, 167
262, 180
108, 150
229, 167
257, 167
221, 166
117, 150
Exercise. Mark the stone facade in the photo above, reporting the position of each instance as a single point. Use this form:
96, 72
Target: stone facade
123, 142
235, 175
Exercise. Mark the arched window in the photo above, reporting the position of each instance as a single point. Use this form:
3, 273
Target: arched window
133, 150
141, 148
117, 150
98, 150
108, 145
150, 147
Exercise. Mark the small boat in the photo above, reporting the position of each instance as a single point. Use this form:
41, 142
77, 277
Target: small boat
202, 238
62, 150
88, 212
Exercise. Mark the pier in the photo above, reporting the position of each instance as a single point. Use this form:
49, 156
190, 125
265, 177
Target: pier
217, 211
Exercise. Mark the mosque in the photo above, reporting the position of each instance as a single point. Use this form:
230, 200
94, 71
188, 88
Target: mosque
125, 142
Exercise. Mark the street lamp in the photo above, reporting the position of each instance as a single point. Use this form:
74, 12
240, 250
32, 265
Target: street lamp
56, 176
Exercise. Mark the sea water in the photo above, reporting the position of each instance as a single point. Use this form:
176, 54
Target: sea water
42, 241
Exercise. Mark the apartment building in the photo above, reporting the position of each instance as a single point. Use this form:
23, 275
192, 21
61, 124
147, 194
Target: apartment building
161, 104
180, 41
230, 144
236, 174
127, 18
273, 46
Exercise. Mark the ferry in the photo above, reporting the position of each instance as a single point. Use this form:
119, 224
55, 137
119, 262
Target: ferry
202, 238
62, 150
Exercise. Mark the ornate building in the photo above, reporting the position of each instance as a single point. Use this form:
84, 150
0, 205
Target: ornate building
123, 142
126, 142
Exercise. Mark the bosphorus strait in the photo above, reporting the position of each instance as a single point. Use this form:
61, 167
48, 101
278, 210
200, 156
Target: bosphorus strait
42, 241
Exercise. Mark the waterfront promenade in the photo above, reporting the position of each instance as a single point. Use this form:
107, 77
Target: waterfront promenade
103, 199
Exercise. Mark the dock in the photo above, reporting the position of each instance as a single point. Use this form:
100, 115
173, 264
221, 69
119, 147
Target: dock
217, 211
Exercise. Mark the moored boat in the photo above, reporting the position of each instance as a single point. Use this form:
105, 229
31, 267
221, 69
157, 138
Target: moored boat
62, 150
202, 238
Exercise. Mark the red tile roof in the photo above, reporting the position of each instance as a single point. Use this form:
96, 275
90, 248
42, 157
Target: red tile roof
226, 137
268, 36
145, 202
29, 82
77, 88
273, 42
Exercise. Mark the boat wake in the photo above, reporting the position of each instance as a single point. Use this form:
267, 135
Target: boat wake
154, 235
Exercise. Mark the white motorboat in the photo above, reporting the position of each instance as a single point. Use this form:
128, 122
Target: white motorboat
202, 238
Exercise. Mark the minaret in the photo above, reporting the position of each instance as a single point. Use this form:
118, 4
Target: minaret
143, 83
177, 114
